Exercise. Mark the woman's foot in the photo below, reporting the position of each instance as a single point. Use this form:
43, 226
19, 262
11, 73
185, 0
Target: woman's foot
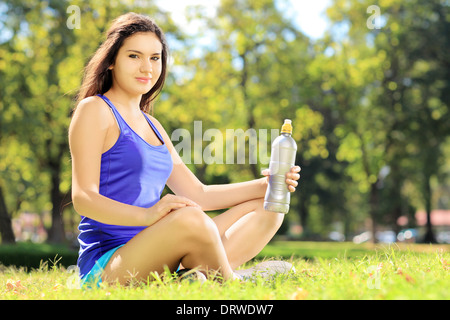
191, 275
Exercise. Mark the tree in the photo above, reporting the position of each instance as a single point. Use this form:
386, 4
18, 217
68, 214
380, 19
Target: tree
48, 50
251, 74
409, 106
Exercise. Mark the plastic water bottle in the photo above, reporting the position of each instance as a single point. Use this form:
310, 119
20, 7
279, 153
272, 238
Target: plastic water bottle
282, 159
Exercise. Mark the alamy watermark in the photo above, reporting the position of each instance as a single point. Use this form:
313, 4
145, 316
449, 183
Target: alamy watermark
235, 146
74, 19
373, 22
374, 280
73, 281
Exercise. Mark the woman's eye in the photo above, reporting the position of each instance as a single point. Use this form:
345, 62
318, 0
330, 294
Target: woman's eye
133, 56
155, 58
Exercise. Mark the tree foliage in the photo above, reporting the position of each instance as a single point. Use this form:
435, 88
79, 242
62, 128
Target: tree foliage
369, 102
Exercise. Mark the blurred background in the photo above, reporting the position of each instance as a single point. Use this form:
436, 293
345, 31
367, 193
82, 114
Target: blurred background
366, 84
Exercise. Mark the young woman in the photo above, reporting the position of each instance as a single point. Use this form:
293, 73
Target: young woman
121, 160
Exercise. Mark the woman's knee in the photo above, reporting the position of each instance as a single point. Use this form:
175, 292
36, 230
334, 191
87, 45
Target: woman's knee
269, 219
195, 224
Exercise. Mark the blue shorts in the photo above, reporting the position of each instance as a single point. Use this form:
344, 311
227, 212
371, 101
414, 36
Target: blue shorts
94, 277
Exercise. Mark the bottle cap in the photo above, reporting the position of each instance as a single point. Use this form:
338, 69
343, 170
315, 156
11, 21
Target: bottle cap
287, 126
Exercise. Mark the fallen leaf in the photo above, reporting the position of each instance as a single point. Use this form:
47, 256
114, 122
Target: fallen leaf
299, 294
57, 286
14, 285
445, 264
407, 277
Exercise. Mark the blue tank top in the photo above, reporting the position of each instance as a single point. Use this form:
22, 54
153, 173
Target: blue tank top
132, 172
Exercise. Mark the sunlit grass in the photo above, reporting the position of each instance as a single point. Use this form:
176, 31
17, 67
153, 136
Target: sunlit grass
381, 272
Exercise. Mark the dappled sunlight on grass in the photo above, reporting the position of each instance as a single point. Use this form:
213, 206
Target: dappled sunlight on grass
337, 271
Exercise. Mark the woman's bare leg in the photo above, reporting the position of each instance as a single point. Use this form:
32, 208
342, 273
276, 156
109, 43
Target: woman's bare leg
246, 229
186, 235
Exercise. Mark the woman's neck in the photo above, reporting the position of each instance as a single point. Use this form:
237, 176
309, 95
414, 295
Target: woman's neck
124, 101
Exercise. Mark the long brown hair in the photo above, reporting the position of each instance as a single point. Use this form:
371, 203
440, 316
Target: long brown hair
98, 78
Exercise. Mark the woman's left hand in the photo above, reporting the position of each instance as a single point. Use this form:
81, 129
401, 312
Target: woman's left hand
291, 177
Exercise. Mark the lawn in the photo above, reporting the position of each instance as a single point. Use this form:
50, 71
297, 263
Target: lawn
323, 271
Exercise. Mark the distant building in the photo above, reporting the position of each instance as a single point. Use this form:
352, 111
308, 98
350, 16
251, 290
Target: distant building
438, 218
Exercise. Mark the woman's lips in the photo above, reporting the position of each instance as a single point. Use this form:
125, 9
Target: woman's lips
144, 79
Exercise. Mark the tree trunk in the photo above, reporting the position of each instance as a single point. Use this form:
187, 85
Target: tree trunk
303, 213
56, 233
429, 235
5, 222
373, 202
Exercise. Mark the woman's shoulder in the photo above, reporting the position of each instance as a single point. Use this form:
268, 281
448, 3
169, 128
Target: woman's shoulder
93, 110
92, 104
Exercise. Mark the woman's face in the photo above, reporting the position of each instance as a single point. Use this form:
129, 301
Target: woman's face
138, 63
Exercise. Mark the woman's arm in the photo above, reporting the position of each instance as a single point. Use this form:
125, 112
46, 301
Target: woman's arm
87, 133
213, 197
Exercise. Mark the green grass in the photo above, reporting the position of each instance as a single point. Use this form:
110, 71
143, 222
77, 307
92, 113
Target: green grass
323, 271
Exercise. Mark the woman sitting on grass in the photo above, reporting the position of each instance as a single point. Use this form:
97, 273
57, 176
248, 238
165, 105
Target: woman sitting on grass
122, 158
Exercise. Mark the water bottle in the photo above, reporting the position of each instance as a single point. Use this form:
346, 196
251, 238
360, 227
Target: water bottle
282, 159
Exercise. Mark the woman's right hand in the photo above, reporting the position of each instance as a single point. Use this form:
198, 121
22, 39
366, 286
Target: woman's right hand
167, 204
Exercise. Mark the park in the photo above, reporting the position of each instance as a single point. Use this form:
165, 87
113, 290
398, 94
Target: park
370, 106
